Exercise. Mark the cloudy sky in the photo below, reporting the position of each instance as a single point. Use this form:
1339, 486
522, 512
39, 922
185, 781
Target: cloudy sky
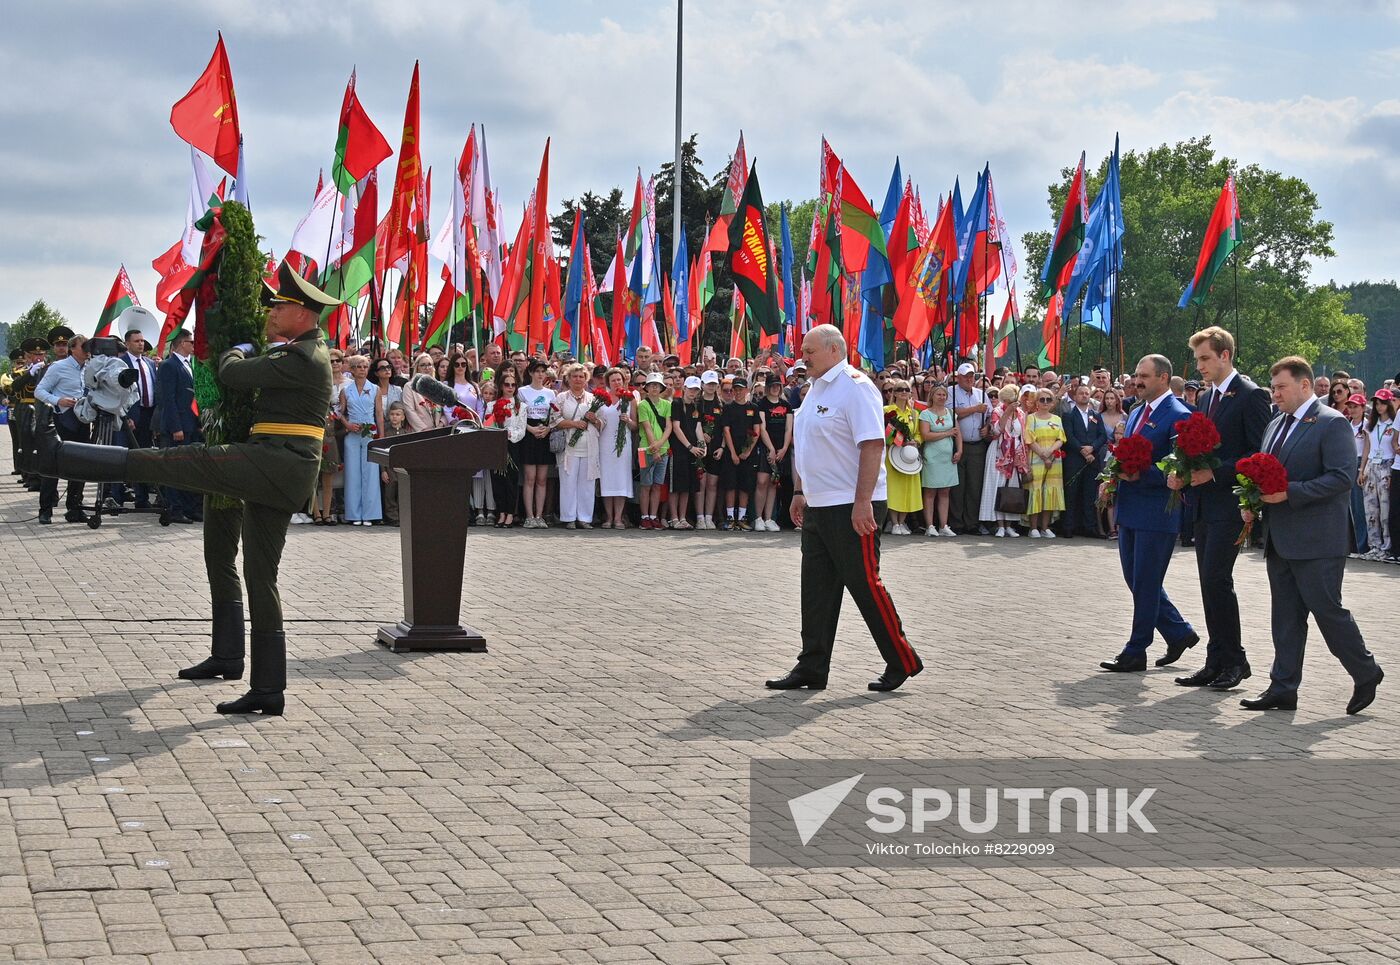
92, 176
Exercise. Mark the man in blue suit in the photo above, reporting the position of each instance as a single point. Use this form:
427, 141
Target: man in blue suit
1146, 530
179, 426
1240, 411
1087, 439
1306, 540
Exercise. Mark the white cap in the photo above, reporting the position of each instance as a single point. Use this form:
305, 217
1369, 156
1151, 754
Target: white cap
711, 377
692, 382
967, 368
655, 378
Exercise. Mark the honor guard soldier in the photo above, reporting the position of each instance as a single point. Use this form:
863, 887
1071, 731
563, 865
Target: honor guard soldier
273, 473
33, 350
839, 502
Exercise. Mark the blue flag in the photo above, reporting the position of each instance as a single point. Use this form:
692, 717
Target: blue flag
1096, 270
573, 289
785, 279
890, 209
872, 333
680, 290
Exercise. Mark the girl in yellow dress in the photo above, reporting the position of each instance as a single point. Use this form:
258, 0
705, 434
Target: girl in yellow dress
905, 493
1045, 434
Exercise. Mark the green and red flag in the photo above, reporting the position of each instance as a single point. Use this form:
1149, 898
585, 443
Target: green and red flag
1069, 237
359, 146
860, 227
717, 240
1222, 237
357, 268
206, 118
119, 299
751, 258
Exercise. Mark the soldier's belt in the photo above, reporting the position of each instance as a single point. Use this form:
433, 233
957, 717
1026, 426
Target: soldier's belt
287, 429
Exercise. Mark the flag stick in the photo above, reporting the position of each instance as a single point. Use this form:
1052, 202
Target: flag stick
676, 174
1238, 340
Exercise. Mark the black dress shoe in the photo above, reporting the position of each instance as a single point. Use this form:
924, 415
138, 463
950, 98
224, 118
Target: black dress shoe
1175, 650
1200, 678
213, 667
1125, 663
1231, 678
1271, 700
75, 516
889, 680
1363, 694
45, 519
267, 703
177, 517
794, 681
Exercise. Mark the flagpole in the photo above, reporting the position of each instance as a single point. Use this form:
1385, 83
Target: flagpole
1238, 340
676, 174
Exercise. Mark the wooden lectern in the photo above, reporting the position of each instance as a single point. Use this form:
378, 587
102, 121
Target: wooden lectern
434, 471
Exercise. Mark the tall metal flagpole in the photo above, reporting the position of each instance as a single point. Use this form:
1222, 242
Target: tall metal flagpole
676, 226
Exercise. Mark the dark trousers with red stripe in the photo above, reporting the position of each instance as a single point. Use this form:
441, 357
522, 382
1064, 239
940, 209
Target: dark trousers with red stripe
835, 556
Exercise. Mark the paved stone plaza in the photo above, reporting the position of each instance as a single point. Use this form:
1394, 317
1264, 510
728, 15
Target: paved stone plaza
579, 793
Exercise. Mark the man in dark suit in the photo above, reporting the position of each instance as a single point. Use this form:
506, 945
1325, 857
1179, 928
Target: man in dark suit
135, 429
1087, 439
1306, 540
179, 426
1240, 411
1146, 529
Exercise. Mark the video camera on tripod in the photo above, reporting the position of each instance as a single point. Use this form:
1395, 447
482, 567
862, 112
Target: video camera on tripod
110, 382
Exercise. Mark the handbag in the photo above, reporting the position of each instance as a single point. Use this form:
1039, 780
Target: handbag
1013, 500
558, 441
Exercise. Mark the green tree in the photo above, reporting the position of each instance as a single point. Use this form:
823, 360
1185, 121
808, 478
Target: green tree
604, 215
37, 320
1168, 194
1379, 302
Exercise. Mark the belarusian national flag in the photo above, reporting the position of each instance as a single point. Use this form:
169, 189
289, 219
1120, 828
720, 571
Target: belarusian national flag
1069, 236
359, 146
356, 269
1222, 237
718, 237
207, 116
119, 299
751, 260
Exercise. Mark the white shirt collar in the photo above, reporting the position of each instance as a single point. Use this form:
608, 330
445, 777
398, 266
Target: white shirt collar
1220, 389
1305, 408
830, 374
1159, 400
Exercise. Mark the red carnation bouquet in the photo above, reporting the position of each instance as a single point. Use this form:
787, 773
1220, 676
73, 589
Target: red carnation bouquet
1197, 438
620, 439
601, 397
1259, 475
894, 429
1128, 456
500, 412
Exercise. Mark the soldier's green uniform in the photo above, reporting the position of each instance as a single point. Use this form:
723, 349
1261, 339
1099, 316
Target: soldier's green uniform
274, 473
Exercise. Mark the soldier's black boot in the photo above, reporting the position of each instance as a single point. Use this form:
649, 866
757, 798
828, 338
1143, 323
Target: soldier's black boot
226, 649
82, 461
268, 650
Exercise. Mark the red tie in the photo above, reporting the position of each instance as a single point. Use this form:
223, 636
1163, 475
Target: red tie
1146, 414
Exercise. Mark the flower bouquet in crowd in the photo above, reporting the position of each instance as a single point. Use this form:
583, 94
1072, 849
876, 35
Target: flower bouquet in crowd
601, 397
368, 430
1258, 475
620, 440
1197, 438
500, 412
894, 430
1126, 457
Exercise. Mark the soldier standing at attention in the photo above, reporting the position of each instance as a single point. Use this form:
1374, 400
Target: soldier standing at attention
838, 499
274, 473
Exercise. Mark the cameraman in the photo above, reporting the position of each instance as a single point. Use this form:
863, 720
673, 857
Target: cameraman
61, 387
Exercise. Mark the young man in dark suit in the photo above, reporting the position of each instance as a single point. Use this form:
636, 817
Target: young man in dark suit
179, 425
1240, 411
1306, 540
1087, 439
1146, 529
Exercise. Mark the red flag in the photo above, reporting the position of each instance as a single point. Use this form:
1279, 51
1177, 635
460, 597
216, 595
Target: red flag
207, 117
1051, 329
173, 274
408, 209
359, 146
542, 248
923, 285
620, 292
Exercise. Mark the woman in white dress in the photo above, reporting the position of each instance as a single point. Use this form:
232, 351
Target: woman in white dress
615, 469
1007, 463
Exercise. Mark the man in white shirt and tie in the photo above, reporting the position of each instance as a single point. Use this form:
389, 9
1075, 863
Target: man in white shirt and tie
135, 431
61, 386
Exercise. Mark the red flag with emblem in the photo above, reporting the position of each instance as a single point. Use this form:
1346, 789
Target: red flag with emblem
408, 209
206, 118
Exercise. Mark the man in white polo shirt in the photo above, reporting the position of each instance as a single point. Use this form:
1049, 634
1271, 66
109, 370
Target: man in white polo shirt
839, 501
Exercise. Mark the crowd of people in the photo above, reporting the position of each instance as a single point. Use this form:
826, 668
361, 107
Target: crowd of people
658, 445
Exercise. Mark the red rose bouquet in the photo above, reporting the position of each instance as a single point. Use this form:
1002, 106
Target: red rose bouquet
1126, 457
368, 430
894, 429
1258, 475
620, 440
500, 412
1197, 438
601, 397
